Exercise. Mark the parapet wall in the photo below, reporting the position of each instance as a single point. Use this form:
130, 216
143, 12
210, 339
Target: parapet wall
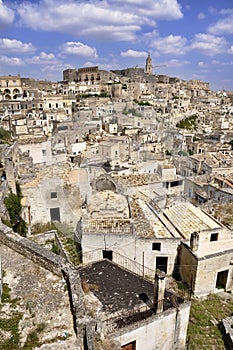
32, 250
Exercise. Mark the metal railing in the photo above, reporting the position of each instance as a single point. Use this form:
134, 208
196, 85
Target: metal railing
124, 261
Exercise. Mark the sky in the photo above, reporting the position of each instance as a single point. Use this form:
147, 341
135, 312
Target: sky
188, 39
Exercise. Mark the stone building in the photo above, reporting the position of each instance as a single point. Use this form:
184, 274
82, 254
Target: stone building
11, 87
212, 189
206, 263
88, 75
140, 225
53, 195
211, 163
116, 148
132, 311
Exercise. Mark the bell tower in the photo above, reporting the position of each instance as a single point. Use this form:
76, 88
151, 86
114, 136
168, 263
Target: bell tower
149, 66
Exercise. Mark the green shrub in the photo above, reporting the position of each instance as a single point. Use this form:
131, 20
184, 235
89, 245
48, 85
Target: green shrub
13, 206
188, 123
5, 135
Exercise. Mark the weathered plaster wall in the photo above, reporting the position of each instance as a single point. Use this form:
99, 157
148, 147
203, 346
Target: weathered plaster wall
167, 331
133, 247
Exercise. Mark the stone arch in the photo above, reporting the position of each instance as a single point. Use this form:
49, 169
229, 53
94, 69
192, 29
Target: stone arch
104, 183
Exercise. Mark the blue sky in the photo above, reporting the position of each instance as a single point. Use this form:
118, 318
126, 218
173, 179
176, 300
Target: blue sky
189, 39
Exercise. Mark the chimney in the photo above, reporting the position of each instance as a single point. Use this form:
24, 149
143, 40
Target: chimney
194, 241
159, 289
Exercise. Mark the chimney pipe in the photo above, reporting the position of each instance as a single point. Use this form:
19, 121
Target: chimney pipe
159, 289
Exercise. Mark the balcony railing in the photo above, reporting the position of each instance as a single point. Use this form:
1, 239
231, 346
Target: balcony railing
124, 261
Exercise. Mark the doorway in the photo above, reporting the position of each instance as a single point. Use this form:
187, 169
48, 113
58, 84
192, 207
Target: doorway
161, 263
107, 254
55, 214
221, 281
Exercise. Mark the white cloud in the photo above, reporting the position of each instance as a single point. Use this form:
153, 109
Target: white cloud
208, 44
201, 15
224, 25
12, 45
78, 49
88, 19
56, 67
202, 64
43, 58
133, 53
221, 63
11, 61
177, 63
230, 51
6, 15
119, 20
158, 9
172, 44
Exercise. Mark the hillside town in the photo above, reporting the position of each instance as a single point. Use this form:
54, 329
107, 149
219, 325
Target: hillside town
116, 188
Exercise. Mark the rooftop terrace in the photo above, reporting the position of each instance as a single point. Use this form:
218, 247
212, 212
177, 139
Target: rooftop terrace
125, 296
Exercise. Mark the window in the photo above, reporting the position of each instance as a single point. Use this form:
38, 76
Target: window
156, 246
214, 237
53, 195
43, 152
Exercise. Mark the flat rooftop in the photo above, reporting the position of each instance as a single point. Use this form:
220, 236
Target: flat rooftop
122, 293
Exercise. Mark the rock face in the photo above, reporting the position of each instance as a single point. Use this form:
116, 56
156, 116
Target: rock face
42, 300
49, 297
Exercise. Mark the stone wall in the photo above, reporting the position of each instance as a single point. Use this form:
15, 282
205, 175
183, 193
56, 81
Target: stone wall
32, 250
84, 322
166, 330
226, 329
